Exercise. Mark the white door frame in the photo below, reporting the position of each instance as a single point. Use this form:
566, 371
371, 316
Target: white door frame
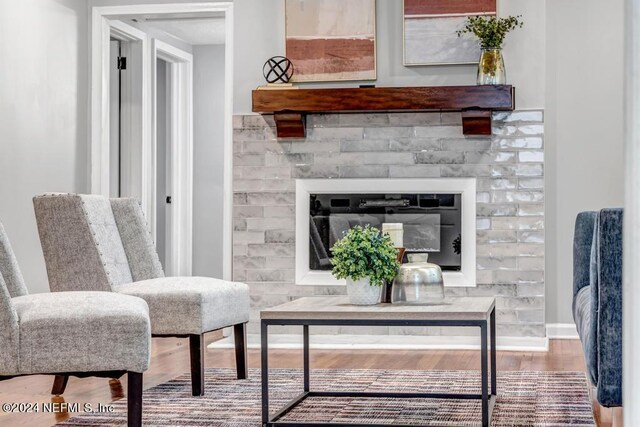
180, 140
99, 133
135, 122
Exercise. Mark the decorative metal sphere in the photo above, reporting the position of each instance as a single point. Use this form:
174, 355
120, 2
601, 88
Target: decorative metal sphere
277, 70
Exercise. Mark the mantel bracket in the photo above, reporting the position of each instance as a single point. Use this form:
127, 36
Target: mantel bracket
476, 122
290, 124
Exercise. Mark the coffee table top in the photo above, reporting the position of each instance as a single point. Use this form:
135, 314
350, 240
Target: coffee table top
339, 308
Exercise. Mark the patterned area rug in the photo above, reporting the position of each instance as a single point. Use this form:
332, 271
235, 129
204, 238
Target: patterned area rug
524, 399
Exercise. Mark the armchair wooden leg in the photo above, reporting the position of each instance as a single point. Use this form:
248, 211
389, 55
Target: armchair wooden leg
59, 384
196, 347
240, 338
115, 387
134, 399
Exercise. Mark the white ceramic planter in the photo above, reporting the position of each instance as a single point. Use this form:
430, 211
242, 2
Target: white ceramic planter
360, 292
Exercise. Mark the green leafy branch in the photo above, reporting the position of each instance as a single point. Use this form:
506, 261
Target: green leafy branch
491, 31
365, 252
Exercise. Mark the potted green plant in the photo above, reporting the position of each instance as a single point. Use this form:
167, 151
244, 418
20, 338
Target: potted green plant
366, 258
491, 31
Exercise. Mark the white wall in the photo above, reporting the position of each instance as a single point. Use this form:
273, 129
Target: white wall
584, 130
159, 35
259, 34
208, 159
43, 116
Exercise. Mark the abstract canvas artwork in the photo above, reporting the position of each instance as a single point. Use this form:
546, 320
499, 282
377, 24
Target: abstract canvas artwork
329, 40
430, 27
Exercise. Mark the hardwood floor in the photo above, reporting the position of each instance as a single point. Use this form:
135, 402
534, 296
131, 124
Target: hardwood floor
171, 358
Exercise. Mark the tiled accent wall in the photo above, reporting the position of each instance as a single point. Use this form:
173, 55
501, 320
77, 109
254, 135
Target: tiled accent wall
509, 167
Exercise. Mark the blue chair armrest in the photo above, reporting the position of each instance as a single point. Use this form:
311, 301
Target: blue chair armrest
608, 280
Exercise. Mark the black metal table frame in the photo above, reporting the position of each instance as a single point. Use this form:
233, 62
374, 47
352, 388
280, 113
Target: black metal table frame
487, 329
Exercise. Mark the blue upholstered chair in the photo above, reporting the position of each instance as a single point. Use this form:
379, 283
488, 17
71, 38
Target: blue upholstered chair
597, 299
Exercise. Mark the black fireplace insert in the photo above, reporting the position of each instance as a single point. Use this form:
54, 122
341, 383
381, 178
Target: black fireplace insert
432, 223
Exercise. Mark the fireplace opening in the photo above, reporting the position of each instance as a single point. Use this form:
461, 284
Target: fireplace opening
431, 223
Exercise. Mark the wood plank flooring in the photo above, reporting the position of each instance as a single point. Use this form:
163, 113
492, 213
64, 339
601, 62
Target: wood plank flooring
171, 358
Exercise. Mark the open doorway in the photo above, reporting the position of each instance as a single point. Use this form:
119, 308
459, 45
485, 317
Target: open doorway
173, 90
180, 165
205, 62
163, 159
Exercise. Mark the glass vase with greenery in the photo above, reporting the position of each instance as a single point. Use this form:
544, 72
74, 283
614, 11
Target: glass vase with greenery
366, 258
491, 32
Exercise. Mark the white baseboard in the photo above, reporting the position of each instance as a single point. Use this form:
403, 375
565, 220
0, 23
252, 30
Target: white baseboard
389, 342
562, 331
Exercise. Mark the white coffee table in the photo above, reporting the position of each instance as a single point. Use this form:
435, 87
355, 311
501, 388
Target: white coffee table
336, 311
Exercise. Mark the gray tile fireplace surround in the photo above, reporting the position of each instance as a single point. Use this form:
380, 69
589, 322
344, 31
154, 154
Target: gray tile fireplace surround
509, 167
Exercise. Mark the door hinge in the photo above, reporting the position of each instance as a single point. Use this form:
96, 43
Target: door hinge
169, 200
122, 63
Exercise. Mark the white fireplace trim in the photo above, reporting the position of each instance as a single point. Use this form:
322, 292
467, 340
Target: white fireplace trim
465, 186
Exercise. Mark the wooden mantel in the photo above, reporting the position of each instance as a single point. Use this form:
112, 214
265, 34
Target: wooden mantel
290, 106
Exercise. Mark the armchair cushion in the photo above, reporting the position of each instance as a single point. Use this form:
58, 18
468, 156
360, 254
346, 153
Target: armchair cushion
136, 239
98, 214
582, 244
71, 251
82, 332
582, 314
191, 305
9, 337
9, 267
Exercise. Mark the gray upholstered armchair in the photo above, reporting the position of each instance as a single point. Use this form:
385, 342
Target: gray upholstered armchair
81, 334
597, 299
96, 243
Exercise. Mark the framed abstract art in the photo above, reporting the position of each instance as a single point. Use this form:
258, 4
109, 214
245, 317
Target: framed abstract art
331, 40
430, 27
